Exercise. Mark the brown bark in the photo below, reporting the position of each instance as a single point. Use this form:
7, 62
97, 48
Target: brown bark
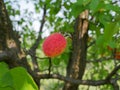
10, 50
77, 62
8, 37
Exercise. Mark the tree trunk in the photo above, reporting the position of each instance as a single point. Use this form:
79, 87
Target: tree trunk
77, 62
10, 44
8, 37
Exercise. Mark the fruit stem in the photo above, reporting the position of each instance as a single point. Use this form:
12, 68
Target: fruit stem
50, 65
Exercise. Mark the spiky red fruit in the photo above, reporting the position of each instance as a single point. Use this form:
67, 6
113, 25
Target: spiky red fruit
54, 45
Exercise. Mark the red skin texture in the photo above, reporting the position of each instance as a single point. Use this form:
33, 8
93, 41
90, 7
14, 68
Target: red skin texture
54, 45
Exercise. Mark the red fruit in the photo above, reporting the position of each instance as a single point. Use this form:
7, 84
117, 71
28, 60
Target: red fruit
54, 45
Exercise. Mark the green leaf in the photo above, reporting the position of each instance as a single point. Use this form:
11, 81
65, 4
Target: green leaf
112, 44
77, 8
94, 27
17, 12
22, 80
67, 28
83, 2
105, 18
5, 77
65, 57
79, 2
102, 18
93, 5
99, 41
6, 80
56, 61
86, 2
115, 8
3, 68
106, 39
100, 44
6, 88
15, 79
9, 7
110, 29
44, 64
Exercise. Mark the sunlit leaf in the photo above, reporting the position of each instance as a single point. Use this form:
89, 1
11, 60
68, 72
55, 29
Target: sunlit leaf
22, 80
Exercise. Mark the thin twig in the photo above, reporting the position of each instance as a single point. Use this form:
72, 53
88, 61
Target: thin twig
50, 65
91, 44
75, 81
107, 80
113, 72
36, 44
32, 50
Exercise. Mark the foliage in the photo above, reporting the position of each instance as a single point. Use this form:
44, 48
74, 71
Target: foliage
15, 79
104, 30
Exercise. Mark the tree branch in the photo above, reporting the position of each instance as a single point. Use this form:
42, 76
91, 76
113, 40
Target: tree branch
50, 65
115, 84
36, 44
77, 62
11, 54
108, 80
75, 81
11, 57
113, 72
91, 44
3, 56
32, 51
